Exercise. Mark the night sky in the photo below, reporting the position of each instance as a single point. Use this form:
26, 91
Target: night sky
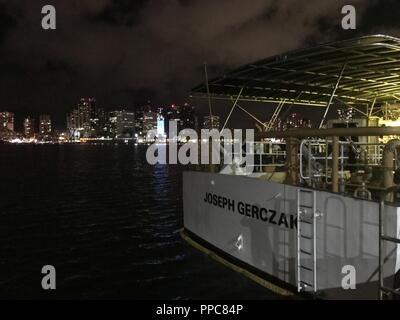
126, 52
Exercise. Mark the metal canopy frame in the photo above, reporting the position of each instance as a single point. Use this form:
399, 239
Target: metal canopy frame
371, 75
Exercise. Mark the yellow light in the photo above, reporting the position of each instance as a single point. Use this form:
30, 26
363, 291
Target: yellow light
390, 123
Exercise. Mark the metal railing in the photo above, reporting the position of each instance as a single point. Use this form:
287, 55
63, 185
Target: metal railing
385, 238
265, 154
268, 154
315, 156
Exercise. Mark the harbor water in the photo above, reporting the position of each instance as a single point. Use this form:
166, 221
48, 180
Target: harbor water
107, 221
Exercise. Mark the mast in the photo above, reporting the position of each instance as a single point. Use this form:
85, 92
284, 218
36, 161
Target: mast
208, 95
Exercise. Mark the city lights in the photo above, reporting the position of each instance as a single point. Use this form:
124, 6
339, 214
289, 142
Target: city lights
89, 123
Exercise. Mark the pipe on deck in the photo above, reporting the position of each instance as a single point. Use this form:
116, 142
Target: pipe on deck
389, 152
292, 161
335, 164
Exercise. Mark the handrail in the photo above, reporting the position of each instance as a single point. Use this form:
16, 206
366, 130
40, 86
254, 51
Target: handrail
340, 132
301, 160
383, 237
310, 143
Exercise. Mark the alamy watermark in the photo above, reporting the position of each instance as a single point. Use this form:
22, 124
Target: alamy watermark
49, 20
349, 278
49, 280
186, 147
349, 20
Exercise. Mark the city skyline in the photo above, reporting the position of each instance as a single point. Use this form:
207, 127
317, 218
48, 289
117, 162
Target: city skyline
20, 117
87, 121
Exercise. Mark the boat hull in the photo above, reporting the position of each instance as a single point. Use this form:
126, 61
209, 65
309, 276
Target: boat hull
255, 221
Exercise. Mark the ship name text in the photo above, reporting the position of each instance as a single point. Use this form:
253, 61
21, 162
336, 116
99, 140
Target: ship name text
257, 212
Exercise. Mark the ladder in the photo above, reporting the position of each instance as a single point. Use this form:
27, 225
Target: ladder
384, 290
306, 241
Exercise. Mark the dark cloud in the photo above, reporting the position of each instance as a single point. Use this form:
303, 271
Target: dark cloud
127, 52
8, 20
121, 12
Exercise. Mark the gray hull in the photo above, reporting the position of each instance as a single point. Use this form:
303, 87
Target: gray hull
254, 221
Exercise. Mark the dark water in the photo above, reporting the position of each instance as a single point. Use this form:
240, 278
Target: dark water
109, 224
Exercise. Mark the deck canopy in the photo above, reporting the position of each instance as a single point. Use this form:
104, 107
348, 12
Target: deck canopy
357, 71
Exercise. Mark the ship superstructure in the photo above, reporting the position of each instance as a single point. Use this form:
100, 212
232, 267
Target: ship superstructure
321, 203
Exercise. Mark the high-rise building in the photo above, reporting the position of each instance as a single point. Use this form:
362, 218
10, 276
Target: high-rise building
208, 124
102, 123
87, 109
123, 123
83, 121
183, 115
149, 122
160, 125
7, 121
139, 118
73, 125
45, 128
73, 122
295, 120
29, 127
188, 118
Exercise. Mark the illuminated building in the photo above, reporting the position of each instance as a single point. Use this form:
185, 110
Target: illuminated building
86, 109
73, 120
208, 124
346, 114
149, 122
7, 121
122, 123
139, 118
87, 112
160, 125
183, 115
73, 125
29, 127
295, 120
102, 124
45, 125
187, 117
82, 122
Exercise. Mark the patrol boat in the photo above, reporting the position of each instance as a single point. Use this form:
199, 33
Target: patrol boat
319, 214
